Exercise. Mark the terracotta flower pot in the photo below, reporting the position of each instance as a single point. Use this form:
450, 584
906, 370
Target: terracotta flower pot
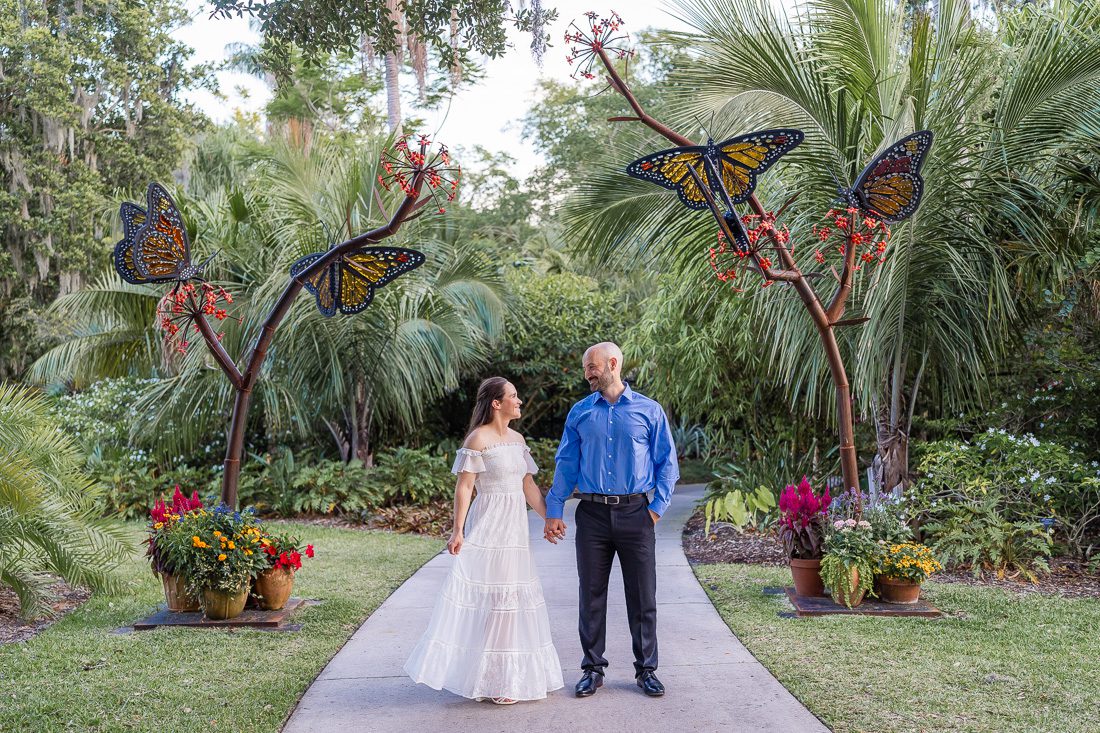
807, 577
855, 597
176, 595
219, 605
273, 587
892, 590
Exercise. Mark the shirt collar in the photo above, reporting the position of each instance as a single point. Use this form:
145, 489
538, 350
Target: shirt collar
628, 394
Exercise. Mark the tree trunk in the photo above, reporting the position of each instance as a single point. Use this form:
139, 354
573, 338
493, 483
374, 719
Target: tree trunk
364, 410
893, 450
893, 421
393, 92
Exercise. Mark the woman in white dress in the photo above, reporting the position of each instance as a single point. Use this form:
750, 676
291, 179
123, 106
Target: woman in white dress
489, 637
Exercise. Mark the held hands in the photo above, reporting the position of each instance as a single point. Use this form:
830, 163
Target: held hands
554, 530
454, 544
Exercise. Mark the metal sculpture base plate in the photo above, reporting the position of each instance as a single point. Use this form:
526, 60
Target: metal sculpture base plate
250, 618
824, 606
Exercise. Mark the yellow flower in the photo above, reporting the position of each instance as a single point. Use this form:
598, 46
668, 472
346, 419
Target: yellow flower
221, 556
231, 545
158, 525
248, 552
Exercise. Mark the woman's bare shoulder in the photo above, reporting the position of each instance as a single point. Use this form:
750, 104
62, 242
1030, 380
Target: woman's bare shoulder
477, 440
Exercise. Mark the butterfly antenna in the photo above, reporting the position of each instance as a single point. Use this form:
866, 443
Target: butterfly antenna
841, 191
329, 237
704, 127
206, 262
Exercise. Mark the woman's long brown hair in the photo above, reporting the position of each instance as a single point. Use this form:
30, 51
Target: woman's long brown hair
490, 389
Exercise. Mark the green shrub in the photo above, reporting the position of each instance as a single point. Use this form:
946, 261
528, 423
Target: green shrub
49, 520
745, 494
413, 476
543, 451
976, 535
130, 490
332, 487
1024, 479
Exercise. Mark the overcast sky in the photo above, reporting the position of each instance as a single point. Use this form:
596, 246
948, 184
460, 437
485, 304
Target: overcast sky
487, 114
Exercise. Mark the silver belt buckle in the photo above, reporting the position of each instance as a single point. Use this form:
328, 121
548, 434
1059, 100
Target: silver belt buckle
608, 499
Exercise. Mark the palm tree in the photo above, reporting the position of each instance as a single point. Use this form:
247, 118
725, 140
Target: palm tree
49, 522
1006, 101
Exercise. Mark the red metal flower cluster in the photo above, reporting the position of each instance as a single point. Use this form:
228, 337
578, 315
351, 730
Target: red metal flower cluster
726, 260
597, 34
185, 304
401, 163
850, 225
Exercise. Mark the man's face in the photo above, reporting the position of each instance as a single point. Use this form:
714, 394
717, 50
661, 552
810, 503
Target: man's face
597, 370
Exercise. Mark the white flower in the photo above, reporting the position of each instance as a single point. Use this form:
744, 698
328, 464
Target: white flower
1046, 497
1051, 480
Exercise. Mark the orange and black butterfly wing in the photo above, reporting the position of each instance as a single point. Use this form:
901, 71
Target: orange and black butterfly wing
670, 169
322, 284
890, 187
133, 218
745, 157
368, 268
161, 248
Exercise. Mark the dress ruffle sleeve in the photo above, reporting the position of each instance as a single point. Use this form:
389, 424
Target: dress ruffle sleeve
469, 461
531, 467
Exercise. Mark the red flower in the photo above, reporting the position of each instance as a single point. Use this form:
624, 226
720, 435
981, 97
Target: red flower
309, 550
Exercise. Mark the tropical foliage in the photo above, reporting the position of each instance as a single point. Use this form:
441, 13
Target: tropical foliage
49, 519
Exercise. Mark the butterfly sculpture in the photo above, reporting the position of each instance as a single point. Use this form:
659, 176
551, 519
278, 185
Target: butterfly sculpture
348, 282
154, 247
890, 187
728, 169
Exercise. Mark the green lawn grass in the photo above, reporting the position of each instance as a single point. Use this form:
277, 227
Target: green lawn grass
998, 662
80, 675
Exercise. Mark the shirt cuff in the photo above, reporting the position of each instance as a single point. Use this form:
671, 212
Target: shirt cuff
659, 507
554, 510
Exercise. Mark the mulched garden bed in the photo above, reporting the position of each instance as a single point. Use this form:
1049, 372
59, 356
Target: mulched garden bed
1067, 578
13, 628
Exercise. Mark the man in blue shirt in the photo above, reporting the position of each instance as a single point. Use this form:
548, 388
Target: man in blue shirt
617, 451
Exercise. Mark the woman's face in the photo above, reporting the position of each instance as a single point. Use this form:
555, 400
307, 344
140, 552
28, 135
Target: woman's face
510, 403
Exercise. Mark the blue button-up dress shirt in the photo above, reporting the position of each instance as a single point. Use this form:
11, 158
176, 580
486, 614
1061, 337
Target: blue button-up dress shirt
624, 448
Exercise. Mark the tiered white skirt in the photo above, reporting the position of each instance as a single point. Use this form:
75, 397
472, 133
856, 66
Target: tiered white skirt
489, 635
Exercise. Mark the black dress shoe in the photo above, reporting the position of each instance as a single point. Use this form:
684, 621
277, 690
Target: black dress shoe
588, 684
650, 684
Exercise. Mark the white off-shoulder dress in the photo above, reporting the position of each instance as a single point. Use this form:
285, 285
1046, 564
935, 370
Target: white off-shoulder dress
490, 633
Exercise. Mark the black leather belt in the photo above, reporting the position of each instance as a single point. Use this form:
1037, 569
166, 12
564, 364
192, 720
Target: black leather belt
614, 499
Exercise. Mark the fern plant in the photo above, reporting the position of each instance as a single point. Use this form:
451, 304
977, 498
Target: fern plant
49, 525
977, 535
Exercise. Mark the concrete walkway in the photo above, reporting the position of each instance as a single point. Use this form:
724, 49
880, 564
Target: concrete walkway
713, 682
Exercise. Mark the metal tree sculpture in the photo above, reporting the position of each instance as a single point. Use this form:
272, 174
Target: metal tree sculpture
155, 249
718, 176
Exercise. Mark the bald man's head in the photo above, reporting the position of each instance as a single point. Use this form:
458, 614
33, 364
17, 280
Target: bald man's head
603, 364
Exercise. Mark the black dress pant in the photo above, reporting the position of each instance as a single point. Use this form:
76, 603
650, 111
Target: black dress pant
602, 532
